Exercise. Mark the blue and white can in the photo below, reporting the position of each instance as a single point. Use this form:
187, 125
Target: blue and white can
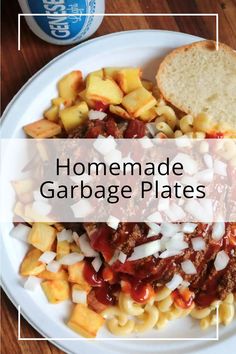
55, 28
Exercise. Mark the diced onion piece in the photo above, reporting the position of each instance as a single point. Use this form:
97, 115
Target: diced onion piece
190, 166
82, 208
79, 296
38, 197
221, 260
183, 141
205, 176
113, 222
21, 232
208, 160
104, 145
188, 227
41, 208
47, 257
175, 244
53, 266
185, 284
71, 258
145, 250
218, 230
198, 244
220, 167
31, 283
65, 235
146, 142
76, 238
114, 258
151, 127
155, 217
113, 156
174, 212
92, 115
85, 247
122, 257
96, 263
169, 229
188, 267
169, 253
154, 229
174, 282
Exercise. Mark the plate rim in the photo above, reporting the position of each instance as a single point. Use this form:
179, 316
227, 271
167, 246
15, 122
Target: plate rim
14, 100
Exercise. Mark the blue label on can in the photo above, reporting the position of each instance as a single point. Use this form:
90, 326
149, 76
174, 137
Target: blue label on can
63, 27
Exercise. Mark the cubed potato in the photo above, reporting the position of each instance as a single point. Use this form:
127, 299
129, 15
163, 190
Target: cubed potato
76, 275
106, 91
59, 101
19, 210
23, 189
74, 116
74, 247
85, 321
52, 113
129, 79
84, 97
43, 128
98, 73
63, 248
138, 101
56, 290
111, 72
60, 275
69, 85
149, 115
148, 85
42, 236
119, 111
31, 265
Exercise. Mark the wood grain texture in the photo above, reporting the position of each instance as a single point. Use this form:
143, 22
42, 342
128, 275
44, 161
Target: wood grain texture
18, 67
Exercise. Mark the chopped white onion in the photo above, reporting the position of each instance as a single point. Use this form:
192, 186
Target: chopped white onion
113, 156
146, 142
145, 250
38, 197
71, 258
205, 176
220, 167
174, 212
169, 229
188, 227
185, 284
188, 267
183, 141
47, 257
198, 244
174, 282
21, 232
190, 166
221, 260
114, 257
218, 230
85, 247
97, 263
65, 235
79, 296
194, 208
92, 115
151, 127
41, 208
169, 253
208, 160
53, 266
175, 244
76, 238
113, 222
104, 145
122, 257
31, 283
163, 203
155, 217
154, 229
82, 208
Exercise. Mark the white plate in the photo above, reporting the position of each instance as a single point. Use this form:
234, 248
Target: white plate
141, 48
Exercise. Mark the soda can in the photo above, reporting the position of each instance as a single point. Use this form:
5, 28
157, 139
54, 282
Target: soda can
55, 28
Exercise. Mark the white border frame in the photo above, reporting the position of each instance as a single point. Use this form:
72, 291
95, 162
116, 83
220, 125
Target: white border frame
215, 15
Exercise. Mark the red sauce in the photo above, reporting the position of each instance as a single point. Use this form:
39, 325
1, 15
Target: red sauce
91, 276
214, 135
105, 294
183, 298
139, 291
100, 241
100, 106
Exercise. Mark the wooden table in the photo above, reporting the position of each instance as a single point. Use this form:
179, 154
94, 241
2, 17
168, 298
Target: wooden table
18, 67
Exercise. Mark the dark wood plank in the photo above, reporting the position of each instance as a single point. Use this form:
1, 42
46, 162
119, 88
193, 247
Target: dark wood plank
18, 67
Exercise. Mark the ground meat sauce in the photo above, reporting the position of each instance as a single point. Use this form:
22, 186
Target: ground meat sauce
142, 276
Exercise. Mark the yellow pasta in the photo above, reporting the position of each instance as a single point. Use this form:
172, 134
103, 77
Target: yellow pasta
186, 124
169, 115
147, 320
127, 304
165, 128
